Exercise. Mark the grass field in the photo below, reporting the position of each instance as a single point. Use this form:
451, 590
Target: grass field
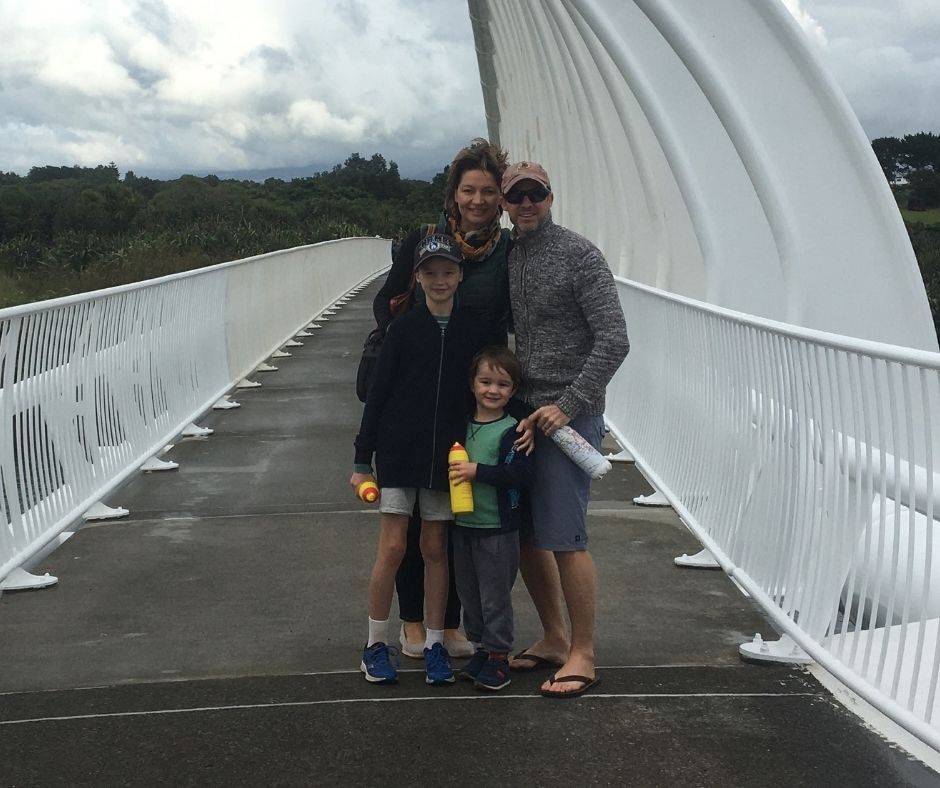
931, 216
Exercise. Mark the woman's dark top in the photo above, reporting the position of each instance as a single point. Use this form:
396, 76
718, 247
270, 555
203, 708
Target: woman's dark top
483, 293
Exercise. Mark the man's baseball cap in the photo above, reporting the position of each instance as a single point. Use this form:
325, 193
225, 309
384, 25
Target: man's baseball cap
437, 246
523, 170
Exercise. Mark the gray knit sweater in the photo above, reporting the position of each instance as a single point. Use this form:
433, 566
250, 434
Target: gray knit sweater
571, 335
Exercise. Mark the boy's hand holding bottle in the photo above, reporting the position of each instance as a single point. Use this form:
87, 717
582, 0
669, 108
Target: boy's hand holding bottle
365, 486
462, 471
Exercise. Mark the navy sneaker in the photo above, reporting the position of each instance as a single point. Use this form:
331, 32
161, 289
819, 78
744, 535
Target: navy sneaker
494, 675
377, 666
475, 665
437, 665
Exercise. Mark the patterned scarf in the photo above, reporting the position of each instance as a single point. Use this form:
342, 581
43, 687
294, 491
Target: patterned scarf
476, 244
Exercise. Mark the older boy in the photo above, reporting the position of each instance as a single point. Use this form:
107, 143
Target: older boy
416, 409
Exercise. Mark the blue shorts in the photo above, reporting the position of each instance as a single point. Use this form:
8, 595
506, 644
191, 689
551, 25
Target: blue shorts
561, 491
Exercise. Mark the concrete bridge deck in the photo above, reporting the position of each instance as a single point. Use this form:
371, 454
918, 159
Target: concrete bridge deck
213, 638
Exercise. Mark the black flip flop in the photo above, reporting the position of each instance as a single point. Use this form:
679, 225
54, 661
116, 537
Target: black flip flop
538, 663
587, 681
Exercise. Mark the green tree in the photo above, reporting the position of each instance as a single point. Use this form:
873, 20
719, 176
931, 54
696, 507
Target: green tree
888, 151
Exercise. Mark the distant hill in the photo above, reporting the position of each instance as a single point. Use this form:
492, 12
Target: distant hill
419, 173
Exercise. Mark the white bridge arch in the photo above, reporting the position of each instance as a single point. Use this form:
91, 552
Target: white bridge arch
782, 388
705, 149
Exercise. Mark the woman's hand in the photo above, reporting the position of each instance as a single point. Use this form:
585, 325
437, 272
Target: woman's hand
526, 440
462, 471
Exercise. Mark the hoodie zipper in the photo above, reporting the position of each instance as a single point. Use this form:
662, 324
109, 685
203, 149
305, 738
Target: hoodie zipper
437, 402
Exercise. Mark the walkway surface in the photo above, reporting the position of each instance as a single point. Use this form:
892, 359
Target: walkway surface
213, 638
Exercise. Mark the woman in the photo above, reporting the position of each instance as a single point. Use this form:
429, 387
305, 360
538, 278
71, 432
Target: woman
471, 215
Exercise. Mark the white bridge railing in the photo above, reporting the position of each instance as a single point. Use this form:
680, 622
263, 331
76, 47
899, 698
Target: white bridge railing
806, 464
803, 461
92, 386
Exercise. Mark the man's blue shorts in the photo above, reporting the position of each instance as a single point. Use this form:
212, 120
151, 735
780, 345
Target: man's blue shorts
561, 491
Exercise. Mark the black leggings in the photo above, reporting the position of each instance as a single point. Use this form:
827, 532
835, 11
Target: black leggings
409, 580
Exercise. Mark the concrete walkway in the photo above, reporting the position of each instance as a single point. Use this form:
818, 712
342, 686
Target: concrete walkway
213, 638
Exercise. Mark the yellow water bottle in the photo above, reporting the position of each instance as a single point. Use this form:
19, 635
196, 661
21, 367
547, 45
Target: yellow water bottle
461, 493
368, 491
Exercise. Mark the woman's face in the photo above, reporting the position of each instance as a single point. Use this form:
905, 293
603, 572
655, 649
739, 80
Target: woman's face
477, 199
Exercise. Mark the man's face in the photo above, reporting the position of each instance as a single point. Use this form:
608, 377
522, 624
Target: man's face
527, 215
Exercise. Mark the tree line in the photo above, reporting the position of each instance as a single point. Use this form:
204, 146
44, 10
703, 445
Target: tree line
913, 161
65, 230
72, 229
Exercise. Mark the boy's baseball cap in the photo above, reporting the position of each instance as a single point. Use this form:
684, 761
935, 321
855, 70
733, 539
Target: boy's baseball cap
523, 170
432, 246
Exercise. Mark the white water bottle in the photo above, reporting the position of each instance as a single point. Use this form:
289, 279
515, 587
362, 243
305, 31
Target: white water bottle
580, 452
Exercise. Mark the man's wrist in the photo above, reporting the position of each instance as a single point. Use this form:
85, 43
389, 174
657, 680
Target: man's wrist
361, 467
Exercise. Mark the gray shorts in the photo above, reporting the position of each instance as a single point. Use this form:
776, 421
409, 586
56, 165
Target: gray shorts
434, 504
561, 491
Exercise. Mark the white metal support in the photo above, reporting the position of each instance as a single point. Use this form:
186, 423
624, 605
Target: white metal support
244, 383
280, 354
226, 403
621, 456
192, 430
293, 343
312, 326
156, 464
100, 511
21, 580
653, 499
701, 560
303, 334
783, 650
265, 368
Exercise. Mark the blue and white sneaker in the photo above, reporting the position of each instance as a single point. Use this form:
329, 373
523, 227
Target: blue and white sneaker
376, 664
437, 665
494, 675
475, 665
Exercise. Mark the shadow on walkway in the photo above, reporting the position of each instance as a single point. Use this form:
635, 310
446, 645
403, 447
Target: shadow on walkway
214, 638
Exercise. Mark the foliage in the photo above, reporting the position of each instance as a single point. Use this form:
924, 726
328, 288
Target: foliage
71, 229
912, 153
925, 238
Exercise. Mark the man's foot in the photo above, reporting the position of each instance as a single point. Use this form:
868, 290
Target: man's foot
377, 666
437, 665
494, 675
457, 644
472, 669
557, 686
412, 638
571, 677
538, 656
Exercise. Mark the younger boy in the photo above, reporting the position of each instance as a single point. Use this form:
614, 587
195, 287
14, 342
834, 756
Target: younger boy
486, 541
415, 410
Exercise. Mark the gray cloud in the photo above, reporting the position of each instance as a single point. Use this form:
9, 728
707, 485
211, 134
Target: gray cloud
885, 58
224, 86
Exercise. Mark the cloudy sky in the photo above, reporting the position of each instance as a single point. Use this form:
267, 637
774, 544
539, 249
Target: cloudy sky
169, 86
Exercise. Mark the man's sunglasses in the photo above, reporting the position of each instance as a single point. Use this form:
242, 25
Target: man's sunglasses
536, 195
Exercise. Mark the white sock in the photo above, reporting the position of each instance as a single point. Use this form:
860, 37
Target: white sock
378, 632
434, 636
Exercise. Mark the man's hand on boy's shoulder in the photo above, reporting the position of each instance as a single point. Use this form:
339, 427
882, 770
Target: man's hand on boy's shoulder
525, 443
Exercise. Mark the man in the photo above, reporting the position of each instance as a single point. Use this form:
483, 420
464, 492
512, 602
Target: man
571, 337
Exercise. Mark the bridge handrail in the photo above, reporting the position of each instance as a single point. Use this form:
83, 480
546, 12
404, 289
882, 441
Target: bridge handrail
92, 385
805, 462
